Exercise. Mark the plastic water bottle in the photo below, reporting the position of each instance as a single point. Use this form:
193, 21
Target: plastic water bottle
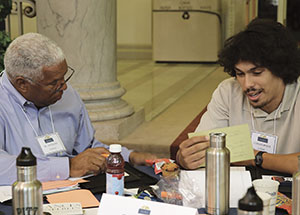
250, 204
27, 194
217, 167
115, 171
296, 191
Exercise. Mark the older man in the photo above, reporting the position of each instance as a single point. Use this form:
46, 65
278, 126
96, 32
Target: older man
38, 109
264, 92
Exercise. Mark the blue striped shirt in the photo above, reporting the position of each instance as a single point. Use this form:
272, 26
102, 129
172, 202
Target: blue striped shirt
71, 122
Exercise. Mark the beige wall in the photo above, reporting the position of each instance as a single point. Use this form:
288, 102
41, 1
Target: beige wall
134, 21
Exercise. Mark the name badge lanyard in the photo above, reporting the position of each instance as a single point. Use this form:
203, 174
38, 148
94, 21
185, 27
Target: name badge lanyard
262, 141
50, 143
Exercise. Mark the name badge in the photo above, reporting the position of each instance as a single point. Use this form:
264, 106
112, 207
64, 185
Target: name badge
264, 142
51, 143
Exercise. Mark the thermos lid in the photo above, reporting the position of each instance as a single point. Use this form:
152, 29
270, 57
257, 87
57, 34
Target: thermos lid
26, 158
217, 139
251, 201
115, 148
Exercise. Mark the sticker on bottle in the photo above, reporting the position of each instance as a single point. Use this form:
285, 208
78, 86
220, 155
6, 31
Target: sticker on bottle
115, 184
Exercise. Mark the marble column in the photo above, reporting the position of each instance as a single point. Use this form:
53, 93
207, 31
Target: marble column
86, 31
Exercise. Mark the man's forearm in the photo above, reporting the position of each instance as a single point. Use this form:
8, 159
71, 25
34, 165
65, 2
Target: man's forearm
287, 163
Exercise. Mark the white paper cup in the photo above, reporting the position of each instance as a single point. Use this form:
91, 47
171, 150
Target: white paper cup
268, 186
266, 198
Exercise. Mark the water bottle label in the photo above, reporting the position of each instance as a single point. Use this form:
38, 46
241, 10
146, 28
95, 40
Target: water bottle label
115, 184
27, 210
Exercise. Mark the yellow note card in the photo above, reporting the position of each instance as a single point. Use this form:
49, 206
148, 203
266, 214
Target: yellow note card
238, 141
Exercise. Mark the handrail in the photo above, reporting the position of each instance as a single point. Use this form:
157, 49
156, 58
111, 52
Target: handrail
29, 11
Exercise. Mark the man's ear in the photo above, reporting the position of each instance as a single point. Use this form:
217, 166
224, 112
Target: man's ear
21, 84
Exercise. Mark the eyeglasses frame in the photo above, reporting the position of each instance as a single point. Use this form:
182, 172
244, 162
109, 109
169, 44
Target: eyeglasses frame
61, 85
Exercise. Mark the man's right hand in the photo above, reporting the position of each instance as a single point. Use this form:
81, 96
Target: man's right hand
89, 161
191, 153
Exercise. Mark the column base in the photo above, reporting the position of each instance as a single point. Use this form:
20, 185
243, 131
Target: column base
108, 110
114, 130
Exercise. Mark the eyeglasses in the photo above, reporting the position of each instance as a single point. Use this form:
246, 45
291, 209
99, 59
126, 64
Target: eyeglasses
57, 85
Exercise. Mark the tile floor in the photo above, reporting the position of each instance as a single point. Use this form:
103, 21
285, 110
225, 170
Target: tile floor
172, 94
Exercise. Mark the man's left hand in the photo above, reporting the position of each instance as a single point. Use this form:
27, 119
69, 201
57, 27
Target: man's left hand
139, 158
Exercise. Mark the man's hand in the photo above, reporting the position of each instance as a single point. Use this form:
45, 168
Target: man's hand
191, 153
139, 158
88, 161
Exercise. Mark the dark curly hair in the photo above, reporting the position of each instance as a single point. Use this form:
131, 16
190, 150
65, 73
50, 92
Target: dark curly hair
265, 43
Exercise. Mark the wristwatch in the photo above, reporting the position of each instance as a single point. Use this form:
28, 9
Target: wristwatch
259, 159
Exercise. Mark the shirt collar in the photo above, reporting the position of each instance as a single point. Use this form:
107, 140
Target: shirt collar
11, 91
290, 95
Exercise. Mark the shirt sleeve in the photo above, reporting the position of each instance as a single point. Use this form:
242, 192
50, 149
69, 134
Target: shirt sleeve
48, 168
53, 168
8, 172
86, 139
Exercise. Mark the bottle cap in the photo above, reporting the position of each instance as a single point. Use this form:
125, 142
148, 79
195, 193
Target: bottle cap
115, 148
217, 139
26, 158
251, 201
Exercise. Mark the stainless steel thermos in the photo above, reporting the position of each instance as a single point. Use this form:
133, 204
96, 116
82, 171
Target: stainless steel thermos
27, 195
296, 191
217, 175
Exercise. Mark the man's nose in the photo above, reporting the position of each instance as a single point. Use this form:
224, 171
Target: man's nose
63, 86
248, 81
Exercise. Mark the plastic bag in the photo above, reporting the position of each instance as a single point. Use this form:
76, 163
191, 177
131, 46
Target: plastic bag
167, 190
191, 192
180, 190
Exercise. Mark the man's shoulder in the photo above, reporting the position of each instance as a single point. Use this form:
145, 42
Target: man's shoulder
70, 99
230, 82
298, 80
230, 85
70, 92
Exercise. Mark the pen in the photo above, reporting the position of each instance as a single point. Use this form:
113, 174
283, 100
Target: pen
105, 155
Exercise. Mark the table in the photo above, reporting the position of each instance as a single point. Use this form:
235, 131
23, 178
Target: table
255, 173
7, 208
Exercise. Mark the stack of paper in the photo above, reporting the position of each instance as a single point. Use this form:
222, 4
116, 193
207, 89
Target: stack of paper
60, 186
48, 188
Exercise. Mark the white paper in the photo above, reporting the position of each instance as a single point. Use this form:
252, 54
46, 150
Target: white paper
63, 208
59, 190
5, 193
120, 205
240, 181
